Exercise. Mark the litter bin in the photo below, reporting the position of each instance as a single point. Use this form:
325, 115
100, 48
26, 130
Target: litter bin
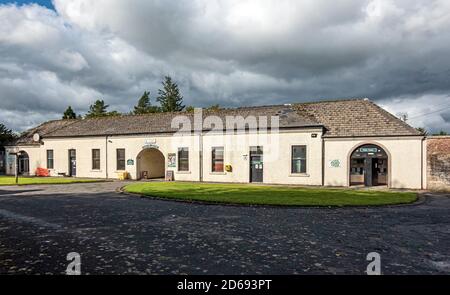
123, 175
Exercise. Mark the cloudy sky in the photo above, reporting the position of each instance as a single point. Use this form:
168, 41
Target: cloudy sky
231, 52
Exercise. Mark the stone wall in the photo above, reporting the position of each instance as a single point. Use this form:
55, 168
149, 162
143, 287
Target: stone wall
438, 162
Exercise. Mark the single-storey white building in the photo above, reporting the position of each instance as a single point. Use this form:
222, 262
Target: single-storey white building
330, 143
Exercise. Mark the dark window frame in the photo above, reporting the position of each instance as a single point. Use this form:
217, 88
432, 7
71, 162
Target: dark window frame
50, 160
296, 159
120, 162
96, 159
214, 159
183, 159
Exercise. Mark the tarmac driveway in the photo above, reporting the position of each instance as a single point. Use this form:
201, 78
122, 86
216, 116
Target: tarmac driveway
120, 234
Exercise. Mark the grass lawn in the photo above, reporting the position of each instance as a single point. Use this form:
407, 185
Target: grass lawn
269, 195
11, 180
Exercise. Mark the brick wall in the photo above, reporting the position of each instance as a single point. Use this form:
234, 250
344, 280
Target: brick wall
438, 162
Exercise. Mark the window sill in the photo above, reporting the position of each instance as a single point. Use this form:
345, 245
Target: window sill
299, 175
217, 173
183, 172
96, 171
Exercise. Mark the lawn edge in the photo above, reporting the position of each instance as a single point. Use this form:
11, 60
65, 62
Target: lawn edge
420, 199
41, 184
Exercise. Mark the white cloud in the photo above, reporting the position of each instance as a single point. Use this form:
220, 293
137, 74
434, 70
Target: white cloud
429, 111
229, 52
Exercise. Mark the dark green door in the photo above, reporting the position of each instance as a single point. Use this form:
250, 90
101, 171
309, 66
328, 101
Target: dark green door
256, 164
72, 163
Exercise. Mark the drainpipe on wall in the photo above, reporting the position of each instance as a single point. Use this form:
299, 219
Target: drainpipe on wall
323, 161
106, 154
201, 154
421, 163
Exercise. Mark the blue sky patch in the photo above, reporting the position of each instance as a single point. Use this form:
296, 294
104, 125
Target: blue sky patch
46, 3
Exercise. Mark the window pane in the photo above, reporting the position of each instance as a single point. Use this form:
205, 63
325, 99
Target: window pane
183, 159
120, 159
217, 159
96, 159
299, 159
50, 162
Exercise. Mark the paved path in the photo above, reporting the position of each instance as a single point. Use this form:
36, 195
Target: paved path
119, 234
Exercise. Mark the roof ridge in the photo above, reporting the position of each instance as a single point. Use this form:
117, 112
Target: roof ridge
333, 100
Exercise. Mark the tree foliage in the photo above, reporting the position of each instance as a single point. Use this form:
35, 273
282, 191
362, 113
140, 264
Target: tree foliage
422, 130
100, 109
6, 135
441, 133
144, 105
189, 109
169, 97
69, 114
214, 107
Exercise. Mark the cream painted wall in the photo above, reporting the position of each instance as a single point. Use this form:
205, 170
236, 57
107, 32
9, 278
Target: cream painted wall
405, 160
277, 157
35, 157
83, 147
133, 145
405, 156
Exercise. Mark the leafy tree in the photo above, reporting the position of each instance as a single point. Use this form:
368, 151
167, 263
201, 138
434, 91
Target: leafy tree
214, 107
144, 106
69, 114
170, 97
441, 133
6, 135
189, 109
422, 130
99, 109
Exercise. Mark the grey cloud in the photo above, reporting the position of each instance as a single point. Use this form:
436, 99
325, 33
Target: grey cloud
227, 52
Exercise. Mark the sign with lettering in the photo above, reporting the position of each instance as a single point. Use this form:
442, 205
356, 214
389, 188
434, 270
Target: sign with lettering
130, 162
368, 150
150, 144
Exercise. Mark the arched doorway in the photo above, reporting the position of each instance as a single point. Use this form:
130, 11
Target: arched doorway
369, 166
150, 164
24, 163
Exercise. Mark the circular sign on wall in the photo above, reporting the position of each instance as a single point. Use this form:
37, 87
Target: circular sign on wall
335, 164
36, 137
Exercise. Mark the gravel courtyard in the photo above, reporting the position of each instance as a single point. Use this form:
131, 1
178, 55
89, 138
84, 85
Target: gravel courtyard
121, 234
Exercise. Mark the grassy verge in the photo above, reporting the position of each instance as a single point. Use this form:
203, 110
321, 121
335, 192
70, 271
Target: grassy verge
269, 195
10, 180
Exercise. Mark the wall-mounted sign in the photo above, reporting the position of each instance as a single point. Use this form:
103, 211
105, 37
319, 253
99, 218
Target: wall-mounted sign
368, 150
172, 160
130, 162
150, 144
335, 164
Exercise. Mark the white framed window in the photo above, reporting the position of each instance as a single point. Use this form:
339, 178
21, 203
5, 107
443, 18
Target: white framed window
298, 159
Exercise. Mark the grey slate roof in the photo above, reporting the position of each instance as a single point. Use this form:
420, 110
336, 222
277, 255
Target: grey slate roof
26, 138
341, 118
355, 118
161, 122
